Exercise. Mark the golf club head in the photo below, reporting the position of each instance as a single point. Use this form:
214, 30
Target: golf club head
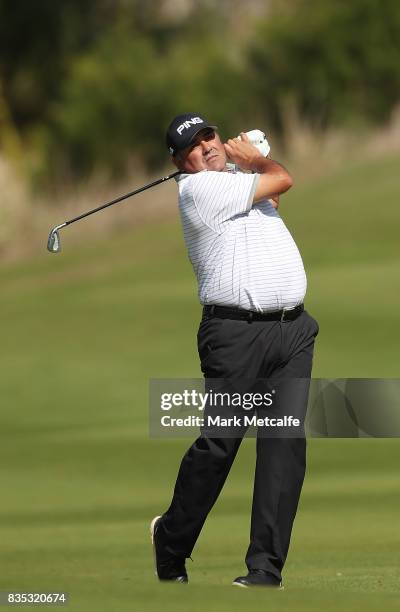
54, 243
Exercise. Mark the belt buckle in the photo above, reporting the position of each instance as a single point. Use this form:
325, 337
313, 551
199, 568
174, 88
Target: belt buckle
283, 315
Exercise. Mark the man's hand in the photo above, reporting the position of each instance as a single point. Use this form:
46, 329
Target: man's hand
243, 153
274, 199
274, 179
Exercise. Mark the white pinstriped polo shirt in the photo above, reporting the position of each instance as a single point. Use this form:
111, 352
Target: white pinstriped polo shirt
243, 255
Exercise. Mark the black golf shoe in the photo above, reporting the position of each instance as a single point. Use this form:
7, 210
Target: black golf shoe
258, 577
167, 567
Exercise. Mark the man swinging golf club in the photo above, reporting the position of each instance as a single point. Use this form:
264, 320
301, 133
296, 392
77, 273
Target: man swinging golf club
252, 284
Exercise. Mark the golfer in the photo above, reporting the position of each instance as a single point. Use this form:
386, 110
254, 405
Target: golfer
251, 282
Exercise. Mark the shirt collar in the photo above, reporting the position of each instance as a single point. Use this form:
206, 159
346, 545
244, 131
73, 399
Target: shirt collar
229, 167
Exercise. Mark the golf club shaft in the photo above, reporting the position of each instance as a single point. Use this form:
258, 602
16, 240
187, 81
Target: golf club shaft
121, 198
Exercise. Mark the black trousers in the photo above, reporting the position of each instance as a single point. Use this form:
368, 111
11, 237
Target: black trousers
239, 349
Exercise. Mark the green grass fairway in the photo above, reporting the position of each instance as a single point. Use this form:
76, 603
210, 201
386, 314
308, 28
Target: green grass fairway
82, 333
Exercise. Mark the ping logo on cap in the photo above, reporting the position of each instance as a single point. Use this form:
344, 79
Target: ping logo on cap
186, 124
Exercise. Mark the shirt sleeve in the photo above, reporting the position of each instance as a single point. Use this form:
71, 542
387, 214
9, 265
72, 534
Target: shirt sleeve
220, 196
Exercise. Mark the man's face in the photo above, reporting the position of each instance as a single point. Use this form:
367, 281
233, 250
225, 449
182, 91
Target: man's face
206, 152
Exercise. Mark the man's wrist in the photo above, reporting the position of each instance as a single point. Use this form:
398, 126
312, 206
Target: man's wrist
262, 165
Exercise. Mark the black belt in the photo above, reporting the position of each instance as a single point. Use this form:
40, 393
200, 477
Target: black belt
226, 312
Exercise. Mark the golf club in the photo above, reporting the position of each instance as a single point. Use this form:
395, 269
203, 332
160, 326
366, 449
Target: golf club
54, 243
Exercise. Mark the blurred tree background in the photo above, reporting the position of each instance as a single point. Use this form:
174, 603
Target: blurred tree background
92, 85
